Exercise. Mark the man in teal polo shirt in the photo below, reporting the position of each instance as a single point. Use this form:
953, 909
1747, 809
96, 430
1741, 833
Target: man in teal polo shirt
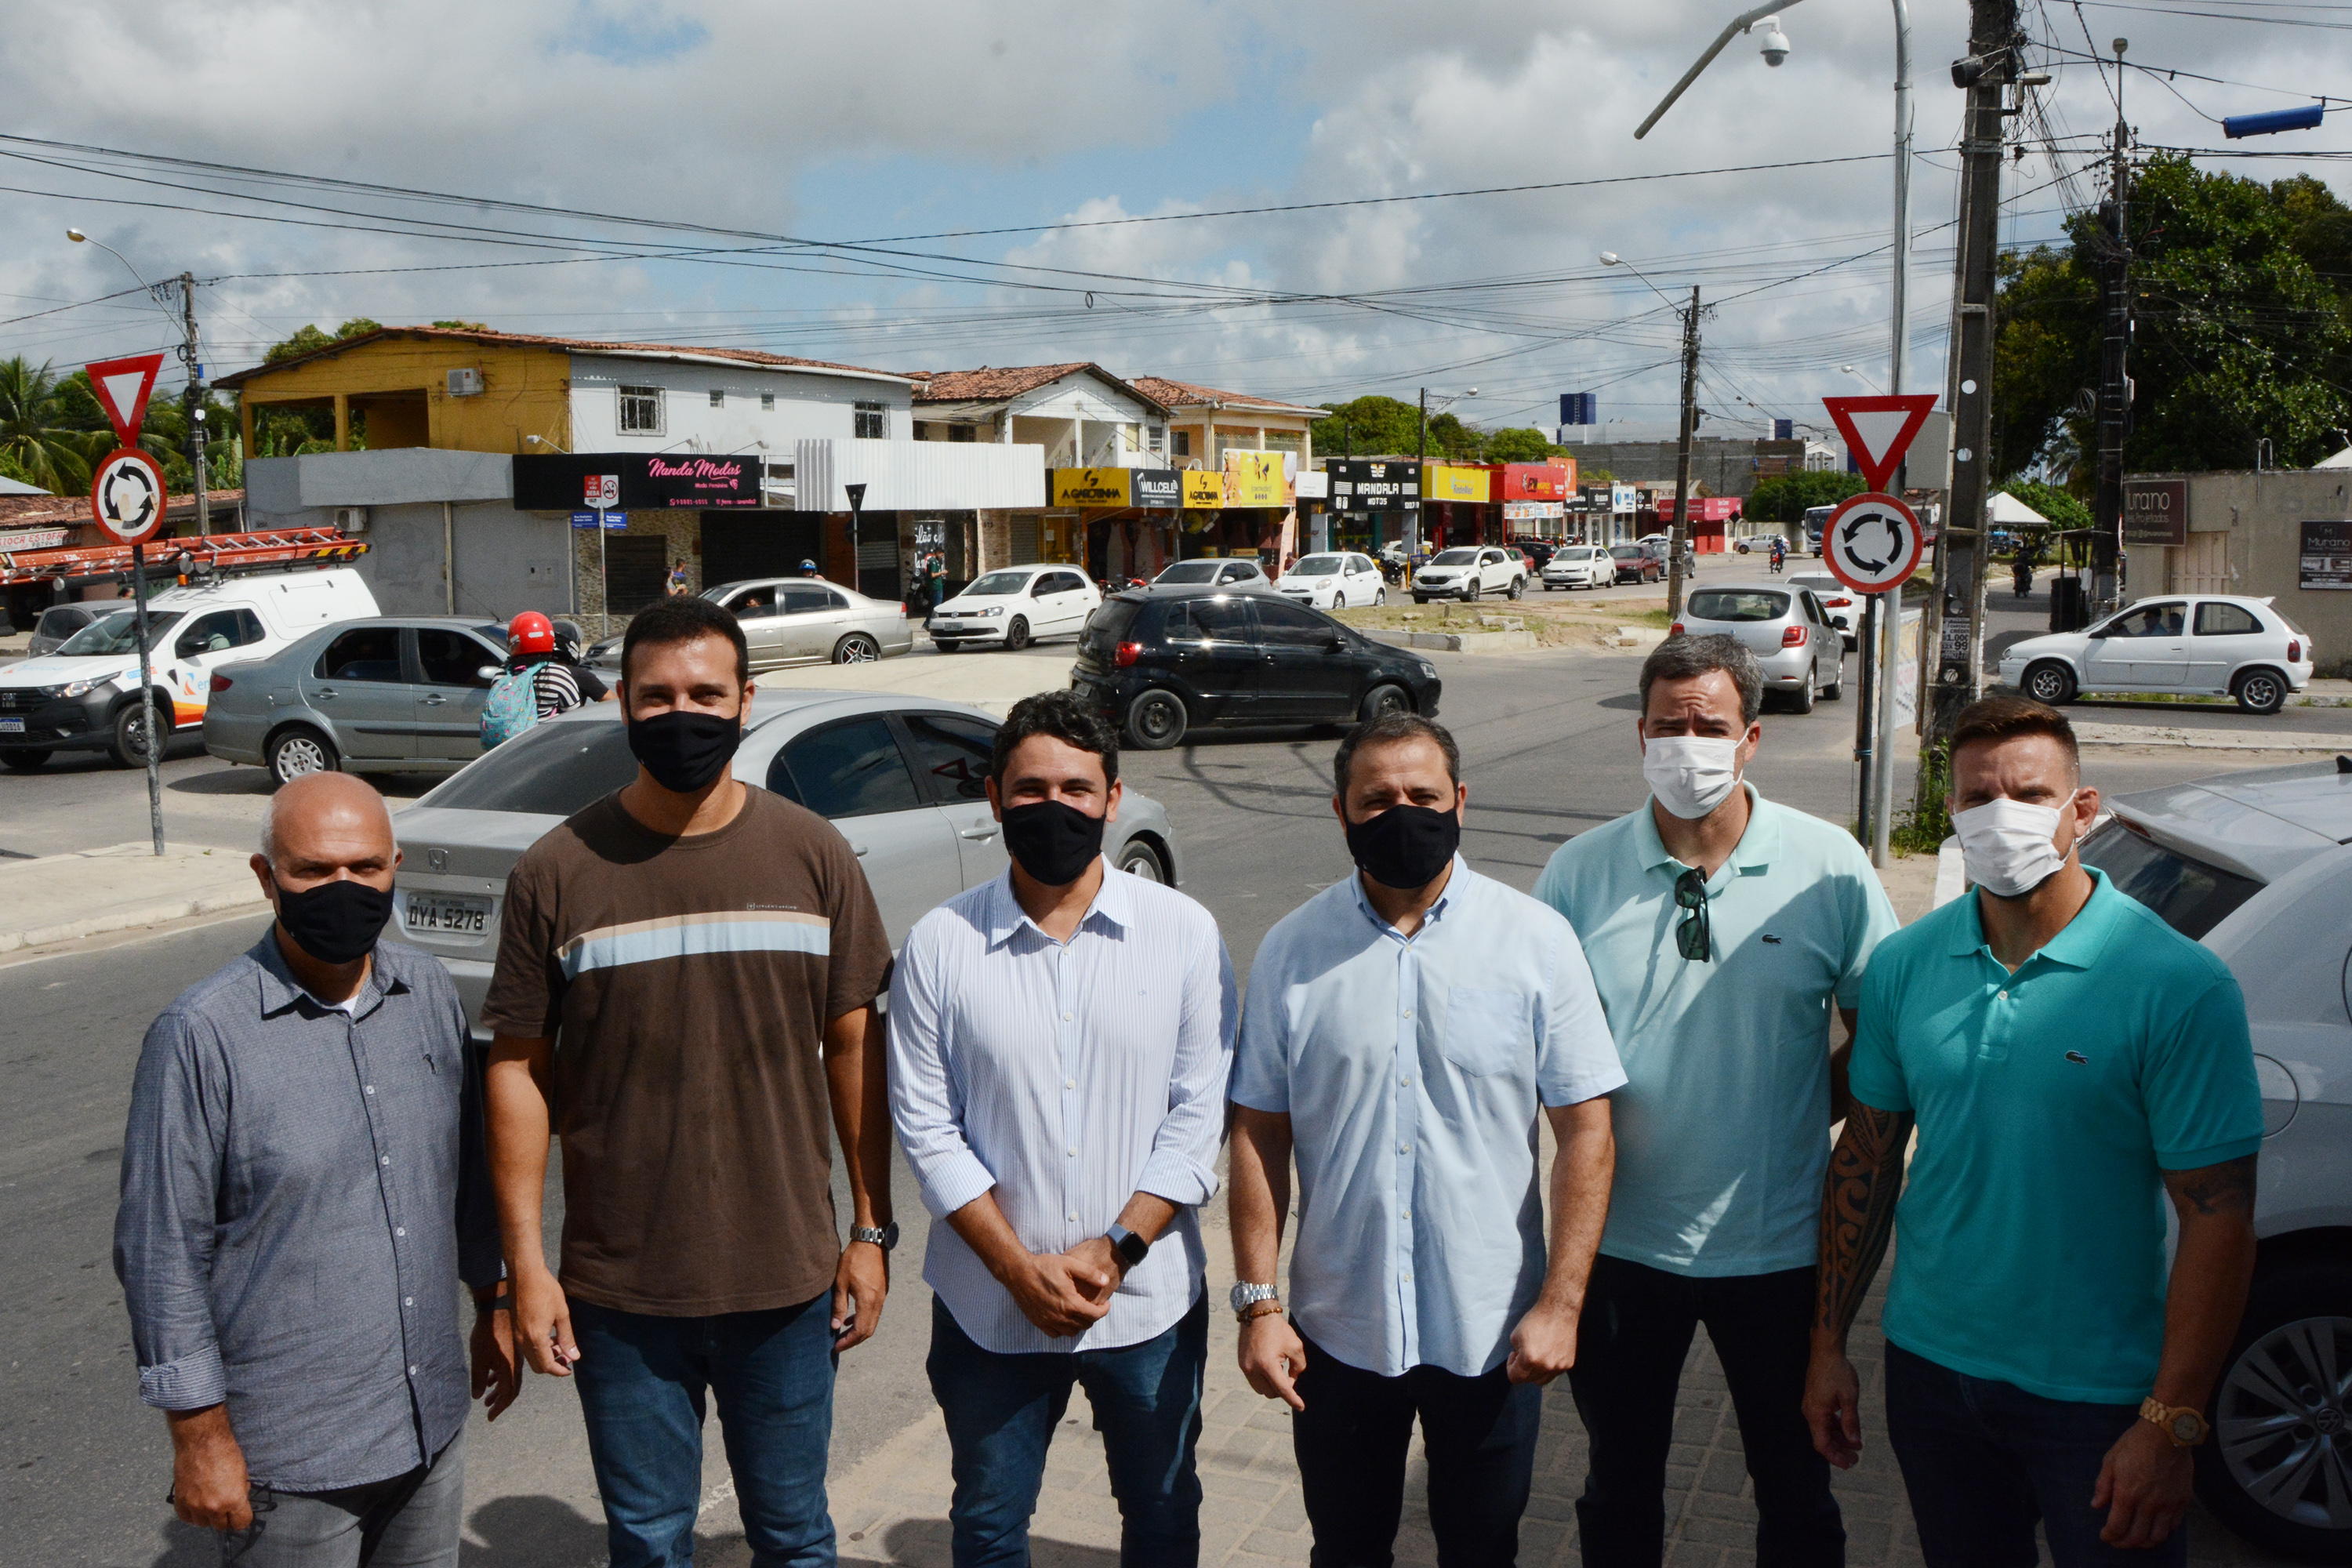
1721, 928
2069, 1060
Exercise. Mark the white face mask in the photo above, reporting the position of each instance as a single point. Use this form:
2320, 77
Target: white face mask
2009, 847
1691, 774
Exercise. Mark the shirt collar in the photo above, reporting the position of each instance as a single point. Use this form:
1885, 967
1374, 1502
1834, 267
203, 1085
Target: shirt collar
1114, 906
281, 991
1759, 845
1458, 886
2077, 946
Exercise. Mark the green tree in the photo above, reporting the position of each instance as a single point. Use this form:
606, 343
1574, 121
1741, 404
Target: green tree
464, 326
1786, 498
1518, 445
1594, 477
2063, 511
310, 337
37, 440
1372, 426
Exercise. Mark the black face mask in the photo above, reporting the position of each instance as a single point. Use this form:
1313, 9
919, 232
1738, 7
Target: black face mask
685, 751
1405, 846
1055, 842
334, 922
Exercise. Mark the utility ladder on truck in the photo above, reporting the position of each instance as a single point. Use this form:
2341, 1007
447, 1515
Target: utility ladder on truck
198, 555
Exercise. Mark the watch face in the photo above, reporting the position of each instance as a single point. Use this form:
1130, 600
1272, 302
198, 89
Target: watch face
2188, 1426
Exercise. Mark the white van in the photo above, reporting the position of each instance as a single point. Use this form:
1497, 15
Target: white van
84, 696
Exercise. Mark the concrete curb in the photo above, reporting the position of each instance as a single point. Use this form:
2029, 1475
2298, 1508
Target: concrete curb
1458, 642
1638, 637
124, 887
2210, 740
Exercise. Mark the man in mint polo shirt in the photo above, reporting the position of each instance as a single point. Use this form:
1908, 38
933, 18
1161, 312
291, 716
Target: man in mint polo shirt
2070, 1060
1721, 928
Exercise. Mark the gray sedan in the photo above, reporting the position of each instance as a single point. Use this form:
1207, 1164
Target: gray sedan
1785, 627
385, 695
798, 620
902, 777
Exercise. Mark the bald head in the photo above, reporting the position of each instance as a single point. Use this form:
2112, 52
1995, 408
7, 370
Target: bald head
326, 825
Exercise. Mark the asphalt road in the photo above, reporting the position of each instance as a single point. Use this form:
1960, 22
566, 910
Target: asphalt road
1549, 751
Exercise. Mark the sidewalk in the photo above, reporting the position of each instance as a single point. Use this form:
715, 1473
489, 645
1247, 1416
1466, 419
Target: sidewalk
124, 887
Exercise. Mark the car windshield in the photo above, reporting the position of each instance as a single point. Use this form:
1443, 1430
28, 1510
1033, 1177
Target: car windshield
1110, 624
1454, 558
549, 770
997, 584
118, 634
1314, 566
1737, 604
1191, 572
1627, 552
2187, 894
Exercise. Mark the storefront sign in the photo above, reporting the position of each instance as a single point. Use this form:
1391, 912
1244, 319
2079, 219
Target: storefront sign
2155, 511
32, 539
1255, 479
1532, 510
688, 481
1540, 481
1203, 488
2327, 558
1623, 499
1162, 487
1113, 487
1704, 508
1370, 484
1453, 482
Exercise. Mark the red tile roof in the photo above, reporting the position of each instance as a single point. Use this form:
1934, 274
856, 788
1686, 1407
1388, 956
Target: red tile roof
1184, 394
532, 340
992, 383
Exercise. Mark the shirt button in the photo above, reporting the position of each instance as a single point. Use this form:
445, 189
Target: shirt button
1406, 1213
396, 1230
412, 1372
1404, 1148
2004, 996
1065, 1017
386, 1159
1407, 1278
371, 1088
1072, 1153
1074, 1219
408, 1300
1069, 1083
1405, 1083
1407, 1012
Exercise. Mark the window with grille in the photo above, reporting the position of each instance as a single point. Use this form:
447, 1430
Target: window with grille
1183, 448
767, 403
641, 411
717, 398
873, 422
1157, 435
1282, 440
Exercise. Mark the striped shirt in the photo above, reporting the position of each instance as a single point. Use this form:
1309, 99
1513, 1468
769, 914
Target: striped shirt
1129, 1095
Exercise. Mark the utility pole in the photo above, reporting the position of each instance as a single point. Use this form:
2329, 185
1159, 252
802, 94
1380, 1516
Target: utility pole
1958, 625
1678, 538
191, 354
2115, 381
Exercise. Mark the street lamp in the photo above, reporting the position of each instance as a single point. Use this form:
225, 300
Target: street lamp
80, 239
1862, 378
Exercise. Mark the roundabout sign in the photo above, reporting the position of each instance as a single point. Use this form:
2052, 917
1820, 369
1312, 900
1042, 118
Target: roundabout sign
127, 497
1873, 542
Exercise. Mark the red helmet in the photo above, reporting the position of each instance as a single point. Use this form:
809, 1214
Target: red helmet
531, 632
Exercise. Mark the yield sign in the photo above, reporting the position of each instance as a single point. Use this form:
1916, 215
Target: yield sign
123, 386
1878, 430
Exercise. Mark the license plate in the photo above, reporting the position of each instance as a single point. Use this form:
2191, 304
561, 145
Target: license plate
442, 912
12, 726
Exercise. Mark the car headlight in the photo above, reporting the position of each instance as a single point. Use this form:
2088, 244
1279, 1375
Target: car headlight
990, 610
72, 689
1429, 670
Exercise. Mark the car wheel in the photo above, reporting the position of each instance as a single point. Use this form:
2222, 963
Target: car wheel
298, 751
1016, 636
1155, 721
1836, 688
1138, 859
2278, 1469
2262, 691
1519, 588
1380, 597
2049, 683
947, 646
129, 745
1384, 701
856, 649
1801, 700
24, 761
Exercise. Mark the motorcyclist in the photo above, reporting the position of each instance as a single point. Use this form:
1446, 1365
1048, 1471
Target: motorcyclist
1779, 554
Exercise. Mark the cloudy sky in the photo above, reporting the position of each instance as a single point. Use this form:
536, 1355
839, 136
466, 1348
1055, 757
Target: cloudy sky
816, 179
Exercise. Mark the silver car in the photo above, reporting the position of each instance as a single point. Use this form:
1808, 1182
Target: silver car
798, 620
1785, 627
904, 779
385, 695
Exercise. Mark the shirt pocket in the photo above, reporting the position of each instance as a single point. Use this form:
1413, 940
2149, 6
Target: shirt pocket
1487, 1031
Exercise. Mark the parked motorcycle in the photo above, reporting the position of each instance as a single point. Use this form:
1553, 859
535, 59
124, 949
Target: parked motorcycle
2021, 575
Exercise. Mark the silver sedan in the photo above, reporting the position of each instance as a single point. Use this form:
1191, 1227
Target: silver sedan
798, 620
903, 778
1786, 629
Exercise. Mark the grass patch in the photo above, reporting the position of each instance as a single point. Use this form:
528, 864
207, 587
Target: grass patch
1922, 831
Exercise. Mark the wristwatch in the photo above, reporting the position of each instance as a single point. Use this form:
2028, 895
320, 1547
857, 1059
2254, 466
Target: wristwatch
1245, 1295
1131, 1246
884, 1237
2185, 1427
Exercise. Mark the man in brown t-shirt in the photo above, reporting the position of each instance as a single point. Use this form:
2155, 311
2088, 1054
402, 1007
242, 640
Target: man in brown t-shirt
685, 981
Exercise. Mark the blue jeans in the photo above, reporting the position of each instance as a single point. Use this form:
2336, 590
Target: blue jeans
641, 1383
1001, 1413
1983, 1460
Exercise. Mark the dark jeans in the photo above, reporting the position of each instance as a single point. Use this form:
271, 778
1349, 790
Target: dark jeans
411, 1521
642, 1384
1002, 1410
1982, 1461
1479, 1433
1630, 1348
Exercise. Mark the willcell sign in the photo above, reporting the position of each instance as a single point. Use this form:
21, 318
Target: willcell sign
2155, 511
1366, 484
650, 481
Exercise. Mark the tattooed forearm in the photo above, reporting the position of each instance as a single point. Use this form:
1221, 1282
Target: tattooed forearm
2227, 1188
1866, 1176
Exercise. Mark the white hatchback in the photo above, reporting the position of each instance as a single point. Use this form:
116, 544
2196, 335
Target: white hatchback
1580, 566
1334, 581
2192, 644
1012, 607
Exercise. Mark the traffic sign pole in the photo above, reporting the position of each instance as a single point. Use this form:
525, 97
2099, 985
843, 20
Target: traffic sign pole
147, 697
1890, 633
127, 502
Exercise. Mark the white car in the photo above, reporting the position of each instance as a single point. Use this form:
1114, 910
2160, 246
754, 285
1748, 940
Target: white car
1235, 574
2195, 643
1333, 582
1469, 570
1836, 598
1012, 607
2258, 866
1579, 566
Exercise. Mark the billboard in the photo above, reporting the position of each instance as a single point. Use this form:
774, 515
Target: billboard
2155, 511
1373, 484
1453, 482
686, 482
1255, 479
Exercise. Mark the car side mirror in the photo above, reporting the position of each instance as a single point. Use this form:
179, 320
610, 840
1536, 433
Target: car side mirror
2096, 632
488, 672
1841, 623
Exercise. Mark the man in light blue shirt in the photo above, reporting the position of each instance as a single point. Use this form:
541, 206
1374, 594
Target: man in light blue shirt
1404, 1029
1721, 930
1059, 1043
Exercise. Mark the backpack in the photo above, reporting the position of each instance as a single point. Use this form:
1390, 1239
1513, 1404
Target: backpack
511, 707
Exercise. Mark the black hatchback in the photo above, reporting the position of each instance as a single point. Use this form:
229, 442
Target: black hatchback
1160, 665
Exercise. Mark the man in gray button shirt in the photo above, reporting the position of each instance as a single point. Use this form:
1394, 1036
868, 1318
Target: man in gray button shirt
302, 1187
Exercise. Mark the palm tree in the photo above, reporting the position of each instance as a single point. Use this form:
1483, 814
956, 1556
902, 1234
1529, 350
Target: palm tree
35, 443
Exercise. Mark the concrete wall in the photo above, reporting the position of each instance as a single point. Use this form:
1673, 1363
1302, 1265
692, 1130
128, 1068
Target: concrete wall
809, 405
2245, 537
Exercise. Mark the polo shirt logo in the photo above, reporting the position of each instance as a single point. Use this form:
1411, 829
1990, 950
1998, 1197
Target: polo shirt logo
2078, 1058
1772, 942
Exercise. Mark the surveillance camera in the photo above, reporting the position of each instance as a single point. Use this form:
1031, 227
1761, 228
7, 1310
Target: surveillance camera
1775, 47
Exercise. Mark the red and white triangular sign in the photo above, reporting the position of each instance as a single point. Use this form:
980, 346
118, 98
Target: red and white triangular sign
1878, 430
123, 386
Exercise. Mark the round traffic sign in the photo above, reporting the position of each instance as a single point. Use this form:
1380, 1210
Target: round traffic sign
1872, 543
126, 496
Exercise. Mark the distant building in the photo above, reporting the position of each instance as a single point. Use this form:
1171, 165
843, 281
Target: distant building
1728, 467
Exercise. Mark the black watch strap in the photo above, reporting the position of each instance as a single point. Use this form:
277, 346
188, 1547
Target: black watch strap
1127, 1245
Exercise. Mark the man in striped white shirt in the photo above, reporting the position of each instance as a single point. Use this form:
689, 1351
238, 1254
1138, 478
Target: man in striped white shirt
1059, 1043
